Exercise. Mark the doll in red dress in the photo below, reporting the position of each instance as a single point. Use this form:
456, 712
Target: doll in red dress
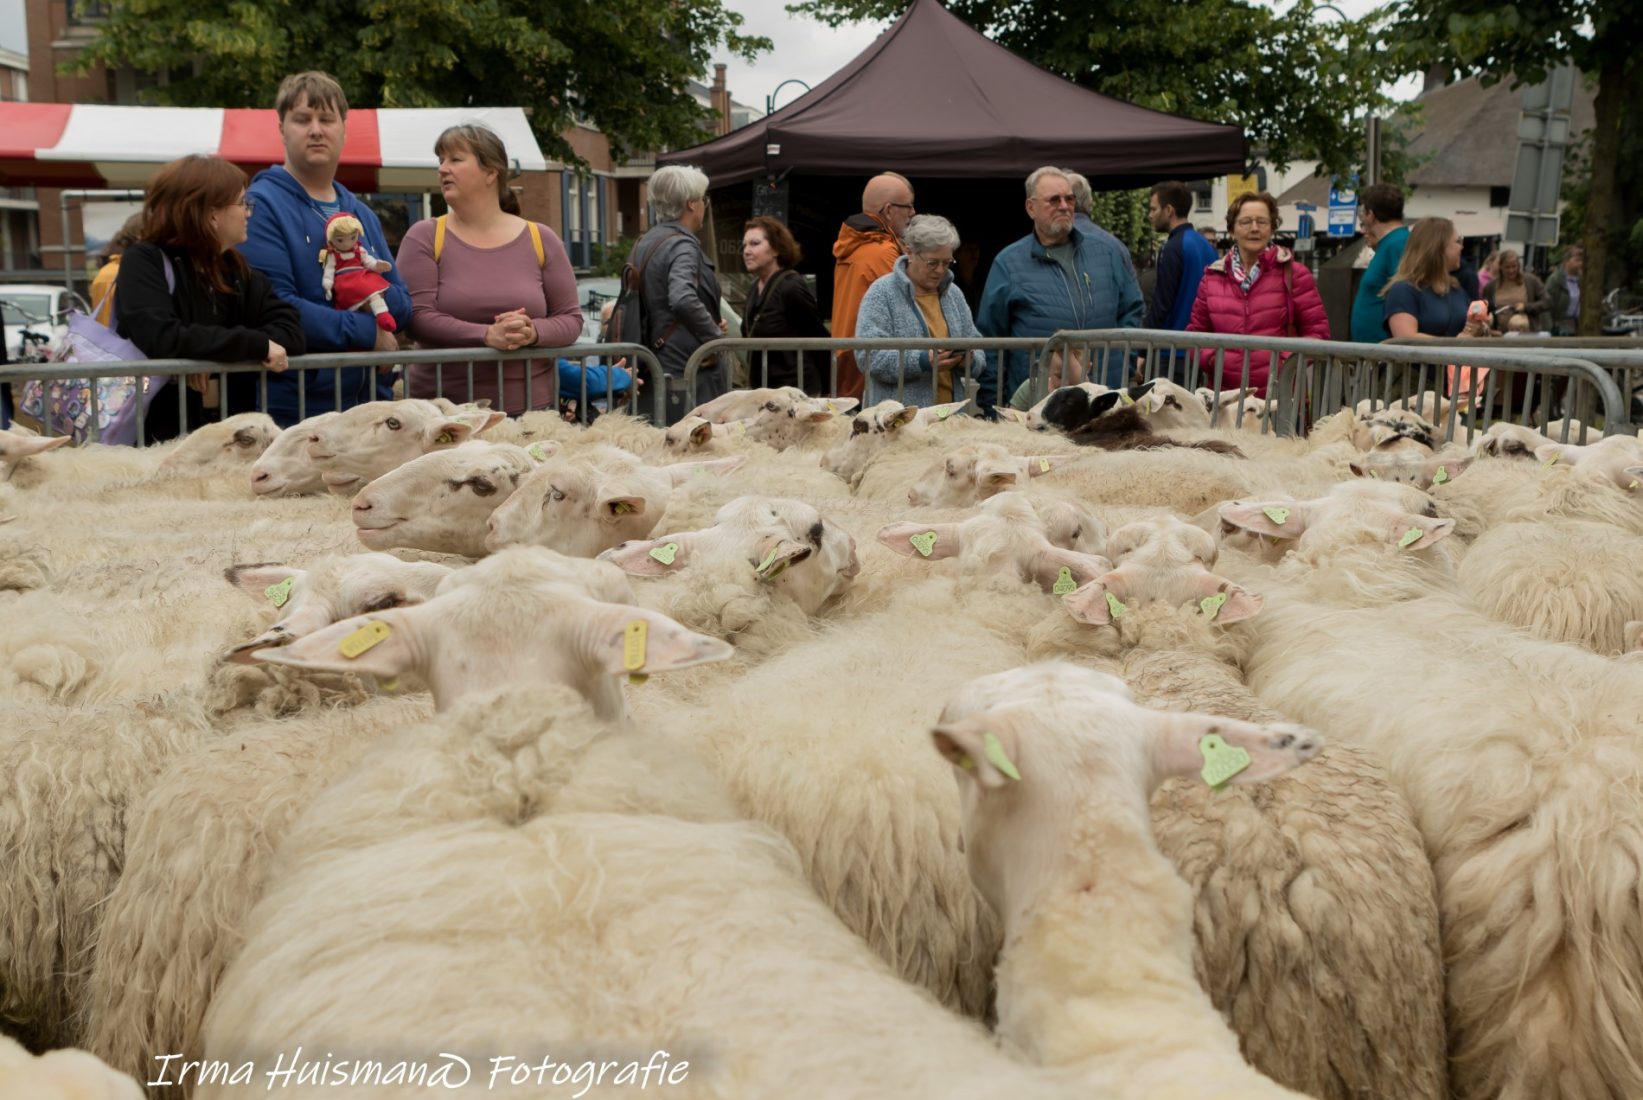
353, 277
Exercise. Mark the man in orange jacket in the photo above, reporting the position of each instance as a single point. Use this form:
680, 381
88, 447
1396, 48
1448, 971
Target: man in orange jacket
866, 250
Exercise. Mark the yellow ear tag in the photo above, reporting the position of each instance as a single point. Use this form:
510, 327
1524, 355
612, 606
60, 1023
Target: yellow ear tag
371, 634
621, 508
1221, 760
831, 407
665, 553
445, 437
278, 593
967, 763
1550, 462
1632, 486
390, 686
1375, 474
1211, 605
1411, 537
1442, 476
1064, 582
633, 650
1115, 606
997, 757
538, 452
1125, 398
923, 543
1043, 465
1280, 516
943, 414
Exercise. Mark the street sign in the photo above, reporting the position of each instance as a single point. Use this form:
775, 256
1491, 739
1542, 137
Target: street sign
1537, 182
1343, 212
1303, 229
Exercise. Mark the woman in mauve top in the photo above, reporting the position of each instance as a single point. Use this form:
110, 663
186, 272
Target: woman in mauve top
487, 287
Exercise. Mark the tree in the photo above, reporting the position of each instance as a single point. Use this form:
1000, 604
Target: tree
1523, 40
622, 64
1293, 83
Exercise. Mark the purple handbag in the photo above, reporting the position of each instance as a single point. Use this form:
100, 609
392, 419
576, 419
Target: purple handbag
118, 399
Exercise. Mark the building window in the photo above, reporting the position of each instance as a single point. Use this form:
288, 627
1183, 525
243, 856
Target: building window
83, 12
1500, 196
1203, 195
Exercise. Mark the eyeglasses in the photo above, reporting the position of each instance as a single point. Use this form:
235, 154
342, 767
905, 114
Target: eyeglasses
1057, 200
1252, 223
935, 264
899, 206
248, 202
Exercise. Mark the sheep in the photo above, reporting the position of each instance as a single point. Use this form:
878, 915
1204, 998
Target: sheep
284, 468
1055, 764
971, 474
60, 1075
1562, 580
442, 501
1389, 429
522, 871
1409, 468
1169, 405
890, 443
16, 448
1530, 801
1095, 422
592, 500
234, 442
1006, 534
1336, 989
1507, 440
361, 444
879, 428
577, 633
1033, 419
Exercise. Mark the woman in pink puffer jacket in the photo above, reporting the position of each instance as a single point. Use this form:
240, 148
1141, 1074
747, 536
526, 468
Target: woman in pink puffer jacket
1256, 289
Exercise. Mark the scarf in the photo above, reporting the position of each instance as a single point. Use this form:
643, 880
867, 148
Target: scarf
1245, 279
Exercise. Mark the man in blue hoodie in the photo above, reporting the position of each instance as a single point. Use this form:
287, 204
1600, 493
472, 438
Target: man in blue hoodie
293, 203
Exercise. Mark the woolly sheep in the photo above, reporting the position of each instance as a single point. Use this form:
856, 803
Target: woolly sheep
361, 444
1006, 533
971, 474
60, 1075
442, 501
521, 613
284, 468
1055, 764
1529, 802
438, 899
880, 427
234, 442
1169, 405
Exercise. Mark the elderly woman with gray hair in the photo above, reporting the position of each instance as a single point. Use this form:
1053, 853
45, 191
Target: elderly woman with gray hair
919, 299
678, 284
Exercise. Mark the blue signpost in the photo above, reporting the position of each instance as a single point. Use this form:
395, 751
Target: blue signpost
1343, 212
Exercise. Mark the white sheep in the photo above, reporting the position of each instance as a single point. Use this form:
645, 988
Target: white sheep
442, 501
284, 468
60, 1075
233, 443
361, 444
1055, 764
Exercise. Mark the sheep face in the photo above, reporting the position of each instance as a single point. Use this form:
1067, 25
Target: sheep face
782, 422
15, 447
1407, 468
689, 434
1035, 419
512, 619
239, 440
785, 544
1339, 520
1166, 560
1039, 748
744, 404
1168, 405
284, 468
332, 589
1395, 429
441, 501
1504, 440
1007, 538
870, 430
361, 444
581, 505
972, 474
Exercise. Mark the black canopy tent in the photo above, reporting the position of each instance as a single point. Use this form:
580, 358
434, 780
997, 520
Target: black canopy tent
962, 117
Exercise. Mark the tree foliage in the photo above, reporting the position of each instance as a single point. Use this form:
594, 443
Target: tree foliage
621, 64
1297, 84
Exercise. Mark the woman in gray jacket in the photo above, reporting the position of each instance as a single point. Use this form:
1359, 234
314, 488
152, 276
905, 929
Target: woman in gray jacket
919, 299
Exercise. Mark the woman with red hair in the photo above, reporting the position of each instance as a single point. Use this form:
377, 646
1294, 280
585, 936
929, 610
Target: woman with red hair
184, 292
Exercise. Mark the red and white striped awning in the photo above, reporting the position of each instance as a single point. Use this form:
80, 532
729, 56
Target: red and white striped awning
81, 145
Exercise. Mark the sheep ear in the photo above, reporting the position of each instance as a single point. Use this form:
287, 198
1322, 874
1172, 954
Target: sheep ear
652, 557
1634, 476
1050, 561
1224, 751
256, 578
939, 413
614, 508
702, 434
1102, 402
990, 476
618, 644
1043, 464
1418, 532
1014, 416
774, 555
22, 446
681, 472
1098, 602
1223, 602
922, 540
381, 644
450, 431
844, 404
982, 747
1284, 519
481, 420
542, 450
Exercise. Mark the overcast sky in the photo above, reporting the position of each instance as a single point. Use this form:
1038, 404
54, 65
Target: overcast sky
810, 51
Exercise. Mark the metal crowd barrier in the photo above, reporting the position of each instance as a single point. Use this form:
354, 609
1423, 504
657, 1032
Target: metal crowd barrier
1319, 377
476, 362
762, 348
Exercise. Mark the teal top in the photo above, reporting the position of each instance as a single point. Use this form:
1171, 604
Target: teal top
1369, 308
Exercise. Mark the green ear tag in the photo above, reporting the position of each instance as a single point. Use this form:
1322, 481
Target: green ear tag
1124, 396
1221, 760
1280, 516
1374, 474
1115, 606
967, 763
1211, 605
278, 593
1411, 536
943, 414
445, 437
1043, 465
665, 553
923, 543
997, 757
1550, 462
769, 560
538, 452
1442, 476
1064, 582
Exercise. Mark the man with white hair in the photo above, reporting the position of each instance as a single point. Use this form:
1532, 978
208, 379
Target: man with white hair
868, 246
678, 285
1056, 277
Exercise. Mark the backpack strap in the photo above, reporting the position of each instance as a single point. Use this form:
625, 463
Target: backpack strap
439, 236
536, 243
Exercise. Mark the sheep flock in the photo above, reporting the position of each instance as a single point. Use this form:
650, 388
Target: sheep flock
806, 750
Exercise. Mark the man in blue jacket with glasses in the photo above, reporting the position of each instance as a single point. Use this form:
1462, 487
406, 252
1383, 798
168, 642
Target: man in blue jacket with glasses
293, 202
